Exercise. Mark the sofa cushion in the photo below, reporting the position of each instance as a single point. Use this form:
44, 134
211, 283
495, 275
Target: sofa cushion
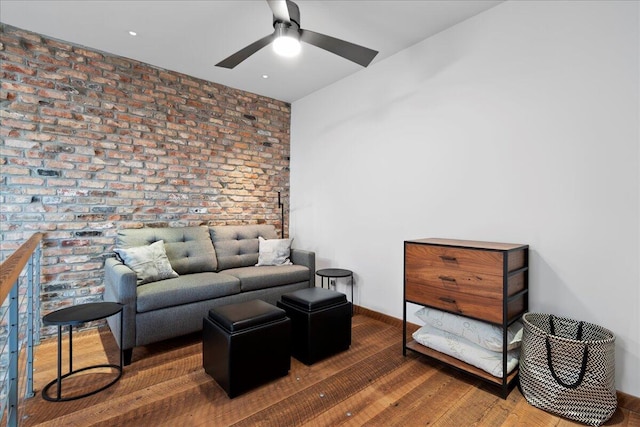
237, 245
150, 263
189, 249
185, 289
253, 278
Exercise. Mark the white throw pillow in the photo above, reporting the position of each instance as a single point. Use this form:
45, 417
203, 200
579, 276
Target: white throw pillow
462, 349
481, 333
150, 263
274, 251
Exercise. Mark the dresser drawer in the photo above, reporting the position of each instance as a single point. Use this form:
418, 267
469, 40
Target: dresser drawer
461, 281
483, 307
454, 259
470, 283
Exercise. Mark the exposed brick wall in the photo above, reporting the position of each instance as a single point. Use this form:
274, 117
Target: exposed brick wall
93, 142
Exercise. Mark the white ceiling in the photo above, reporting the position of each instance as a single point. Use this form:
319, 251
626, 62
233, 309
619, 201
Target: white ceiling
192, 36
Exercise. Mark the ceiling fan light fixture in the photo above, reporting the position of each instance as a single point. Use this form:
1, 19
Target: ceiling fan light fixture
286, 46
285, 43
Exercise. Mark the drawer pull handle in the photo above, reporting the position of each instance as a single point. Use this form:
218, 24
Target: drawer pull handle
447, 258
447, 279
449, 300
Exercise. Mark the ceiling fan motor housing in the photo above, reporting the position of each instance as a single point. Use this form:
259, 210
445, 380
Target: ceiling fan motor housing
294, 15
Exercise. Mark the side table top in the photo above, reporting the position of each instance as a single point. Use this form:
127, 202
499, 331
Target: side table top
78, 314
334, 272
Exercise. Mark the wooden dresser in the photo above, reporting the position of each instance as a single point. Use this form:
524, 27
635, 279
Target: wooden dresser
480, 280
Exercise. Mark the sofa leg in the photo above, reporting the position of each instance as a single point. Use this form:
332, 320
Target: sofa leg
126, 356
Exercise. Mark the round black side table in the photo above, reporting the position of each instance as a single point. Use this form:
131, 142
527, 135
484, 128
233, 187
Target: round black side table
334, 273
75, 316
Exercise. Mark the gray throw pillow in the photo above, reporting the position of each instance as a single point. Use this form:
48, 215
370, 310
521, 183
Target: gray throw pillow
150, 263
274, 251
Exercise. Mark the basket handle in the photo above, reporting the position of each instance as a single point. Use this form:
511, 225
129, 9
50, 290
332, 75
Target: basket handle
552, 328
585, 356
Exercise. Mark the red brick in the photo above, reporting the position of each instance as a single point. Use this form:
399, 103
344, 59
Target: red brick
49, 93
7, 66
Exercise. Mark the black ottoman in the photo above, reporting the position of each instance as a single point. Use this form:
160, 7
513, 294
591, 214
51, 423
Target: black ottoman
320, 323
245, 345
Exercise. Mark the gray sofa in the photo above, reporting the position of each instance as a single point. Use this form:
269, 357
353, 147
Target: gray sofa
216, 266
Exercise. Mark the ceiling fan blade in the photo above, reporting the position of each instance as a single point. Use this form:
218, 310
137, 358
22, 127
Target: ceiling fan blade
280, 10
243, 54
353, 52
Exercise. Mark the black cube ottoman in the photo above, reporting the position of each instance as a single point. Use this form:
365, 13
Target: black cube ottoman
320, 323
245, 345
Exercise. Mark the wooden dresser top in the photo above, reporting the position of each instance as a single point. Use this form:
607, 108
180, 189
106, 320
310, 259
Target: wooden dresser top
469, 244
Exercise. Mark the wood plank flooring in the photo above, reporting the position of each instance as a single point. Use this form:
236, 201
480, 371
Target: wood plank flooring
371, 384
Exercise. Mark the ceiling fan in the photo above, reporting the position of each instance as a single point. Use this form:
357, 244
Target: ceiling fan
288, 35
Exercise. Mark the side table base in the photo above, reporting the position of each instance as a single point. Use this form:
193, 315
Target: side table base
45, 390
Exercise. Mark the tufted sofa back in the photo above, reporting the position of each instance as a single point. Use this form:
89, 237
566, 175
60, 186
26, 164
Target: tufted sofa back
189, 249
237, 245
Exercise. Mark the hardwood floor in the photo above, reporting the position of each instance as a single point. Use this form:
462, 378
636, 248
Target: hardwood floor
370, 384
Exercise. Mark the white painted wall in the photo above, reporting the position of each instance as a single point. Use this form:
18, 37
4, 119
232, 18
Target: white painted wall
519, 125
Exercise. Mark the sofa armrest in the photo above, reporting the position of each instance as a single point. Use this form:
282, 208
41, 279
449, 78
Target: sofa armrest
120, 279
120, 285
308, 259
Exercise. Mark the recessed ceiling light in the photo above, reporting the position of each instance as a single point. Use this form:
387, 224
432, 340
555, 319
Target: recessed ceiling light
264, 76
133, 33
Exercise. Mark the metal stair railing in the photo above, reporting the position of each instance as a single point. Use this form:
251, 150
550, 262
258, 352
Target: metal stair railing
19, 293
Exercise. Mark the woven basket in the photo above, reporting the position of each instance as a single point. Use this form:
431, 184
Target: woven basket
567, 368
